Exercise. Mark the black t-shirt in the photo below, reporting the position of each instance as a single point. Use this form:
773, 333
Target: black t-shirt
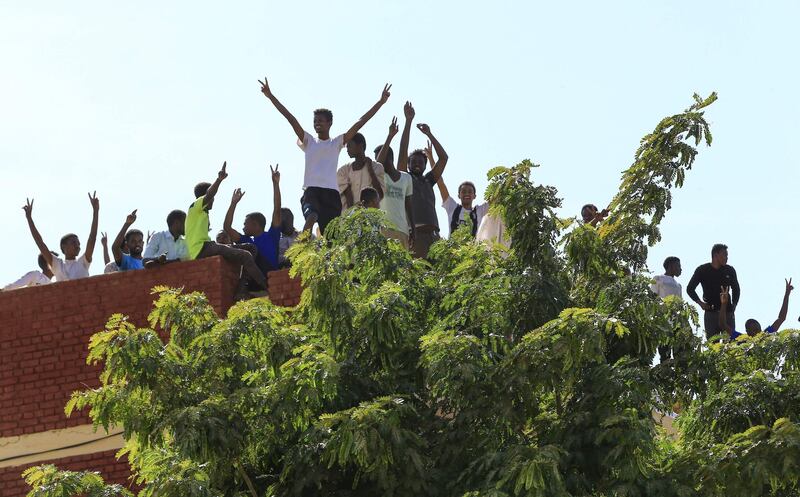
712, 280
423, 200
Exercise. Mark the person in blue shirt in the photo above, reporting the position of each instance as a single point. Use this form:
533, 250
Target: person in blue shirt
753, 327
134, 240
255, 227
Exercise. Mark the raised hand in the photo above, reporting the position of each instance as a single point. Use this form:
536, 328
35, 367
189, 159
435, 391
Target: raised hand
276, 175
265, 87
237, 196
104, 239
94, 201
131, 217
393, 129
789, 286
426, 130
222, 172
724, 295
408, 110
28, 207
429, 152
384, 95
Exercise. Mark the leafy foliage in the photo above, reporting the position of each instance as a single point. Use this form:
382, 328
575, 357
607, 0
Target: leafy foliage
477, 373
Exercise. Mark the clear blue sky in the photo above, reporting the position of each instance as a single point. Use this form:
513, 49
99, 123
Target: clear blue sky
140, 101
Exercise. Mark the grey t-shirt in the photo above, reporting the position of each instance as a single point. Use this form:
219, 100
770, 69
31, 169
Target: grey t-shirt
423, 200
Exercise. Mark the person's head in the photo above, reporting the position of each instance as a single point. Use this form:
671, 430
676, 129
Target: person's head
719, 254
43, 264
389, 154
70, 246
323, 119
369, 198
134, 239
357, 146
466, 194
287, 221
672, 266
417, 160
752, 327
588, 212
200, 190
176, 221
254, 224
223, 238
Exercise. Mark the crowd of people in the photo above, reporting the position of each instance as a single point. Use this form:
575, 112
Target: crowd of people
403, 191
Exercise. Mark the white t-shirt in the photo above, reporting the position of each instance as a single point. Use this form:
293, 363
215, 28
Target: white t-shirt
492, 229
322, 159
70, 270
357, 180
32, 278
394, 200
450, 206
111, 267
665, 286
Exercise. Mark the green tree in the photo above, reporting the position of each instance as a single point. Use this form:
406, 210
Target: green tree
478, 373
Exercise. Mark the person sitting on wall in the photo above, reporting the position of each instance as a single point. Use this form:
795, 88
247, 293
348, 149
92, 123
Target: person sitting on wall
167, 246
134, 240
71, 267
34, 278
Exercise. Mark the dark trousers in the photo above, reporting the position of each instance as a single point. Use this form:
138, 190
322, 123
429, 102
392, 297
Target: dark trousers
711, 322
325, 203
241, 255
423, 239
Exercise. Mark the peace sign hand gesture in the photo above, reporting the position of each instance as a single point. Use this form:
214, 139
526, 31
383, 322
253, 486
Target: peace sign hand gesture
265, 88
28, 208
237, 196
94, 201
276, 175
789, 286
385, 94
393, 129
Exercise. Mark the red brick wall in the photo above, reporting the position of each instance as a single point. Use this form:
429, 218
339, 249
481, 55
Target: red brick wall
45, 332
112, 470
284, 291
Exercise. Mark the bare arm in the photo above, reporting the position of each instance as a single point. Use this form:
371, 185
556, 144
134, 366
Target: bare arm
389, 169
276, 197
402, 157
724, 297
412, 230
212, 190
104, 243
784, 307
348, 197
373, 178
298, 130
37, 237
366, 117
116, 247
93, 230
439, 180
438, 169
227, 225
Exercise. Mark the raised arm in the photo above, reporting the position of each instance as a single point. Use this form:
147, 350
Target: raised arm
276, 196
212, 190
389, 169
28, 208
104, 243
227, 225
90, 242
116, 247
438, 169
402, 154
443, 191
784, 307
298, 130
366, 117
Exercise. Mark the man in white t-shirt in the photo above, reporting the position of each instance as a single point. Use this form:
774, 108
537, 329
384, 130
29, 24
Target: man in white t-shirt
463, 212
321, 202
71, 267
396, 202
34, 278
665, 284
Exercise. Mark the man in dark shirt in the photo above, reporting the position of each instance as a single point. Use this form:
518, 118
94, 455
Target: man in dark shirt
713, 276
423, 200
